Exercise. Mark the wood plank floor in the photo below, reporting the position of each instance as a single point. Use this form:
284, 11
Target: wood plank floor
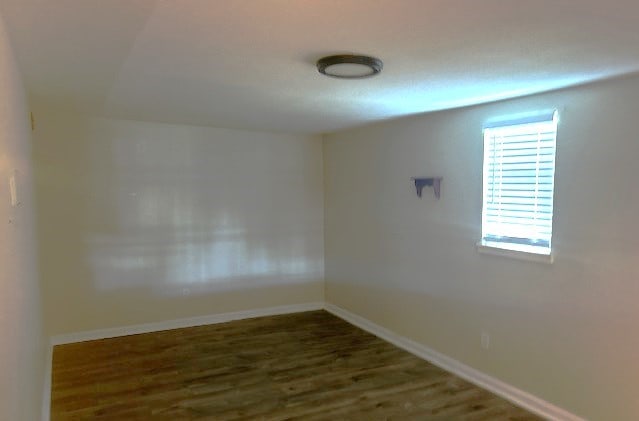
310, 366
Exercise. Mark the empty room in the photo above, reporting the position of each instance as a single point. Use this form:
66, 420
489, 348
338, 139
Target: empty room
319, 210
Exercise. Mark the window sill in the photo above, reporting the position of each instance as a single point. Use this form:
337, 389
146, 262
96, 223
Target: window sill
515, 251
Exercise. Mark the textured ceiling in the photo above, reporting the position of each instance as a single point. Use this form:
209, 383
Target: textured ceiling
250, 63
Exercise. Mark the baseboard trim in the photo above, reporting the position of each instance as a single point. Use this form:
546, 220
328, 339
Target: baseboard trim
46, 391
181, 323
517, 396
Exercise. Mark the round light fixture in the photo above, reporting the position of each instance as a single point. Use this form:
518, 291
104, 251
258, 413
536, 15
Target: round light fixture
349, 66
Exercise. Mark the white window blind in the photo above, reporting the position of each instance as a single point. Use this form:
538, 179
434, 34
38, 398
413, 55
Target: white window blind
519, 172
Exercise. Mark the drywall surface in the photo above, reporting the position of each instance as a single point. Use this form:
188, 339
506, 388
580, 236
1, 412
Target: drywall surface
565, 332
22, 352
145, 222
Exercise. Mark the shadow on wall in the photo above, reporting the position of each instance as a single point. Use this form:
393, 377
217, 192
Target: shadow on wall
138, 213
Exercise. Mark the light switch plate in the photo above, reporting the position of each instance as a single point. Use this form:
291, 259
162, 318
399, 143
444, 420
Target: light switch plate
13, 188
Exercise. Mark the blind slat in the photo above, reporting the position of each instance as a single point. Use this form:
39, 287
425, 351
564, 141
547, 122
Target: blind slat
519, 166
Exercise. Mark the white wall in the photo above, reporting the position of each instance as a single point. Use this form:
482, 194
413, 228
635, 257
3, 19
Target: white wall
22, 351
566, 332
145, 222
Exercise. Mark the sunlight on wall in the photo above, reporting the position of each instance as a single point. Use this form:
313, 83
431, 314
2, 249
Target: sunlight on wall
173, 213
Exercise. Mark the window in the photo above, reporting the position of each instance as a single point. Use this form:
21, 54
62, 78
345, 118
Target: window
519, 173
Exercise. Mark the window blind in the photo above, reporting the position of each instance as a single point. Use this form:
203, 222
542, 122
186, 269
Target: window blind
519, 170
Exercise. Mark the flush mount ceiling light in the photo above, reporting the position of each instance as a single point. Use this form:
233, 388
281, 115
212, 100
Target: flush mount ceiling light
349, 66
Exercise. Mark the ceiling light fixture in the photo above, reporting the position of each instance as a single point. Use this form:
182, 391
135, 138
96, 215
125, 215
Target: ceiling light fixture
349, 66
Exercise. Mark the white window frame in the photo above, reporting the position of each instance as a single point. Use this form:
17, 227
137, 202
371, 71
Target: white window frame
517, 246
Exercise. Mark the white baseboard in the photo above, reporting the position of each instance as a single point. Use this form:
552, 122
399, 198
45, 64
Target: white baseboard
517, 396
181, 323
46, 392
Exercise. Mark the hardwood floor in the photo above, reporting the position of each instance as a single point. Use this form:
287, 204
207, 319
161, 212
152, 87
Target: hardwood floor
310, 366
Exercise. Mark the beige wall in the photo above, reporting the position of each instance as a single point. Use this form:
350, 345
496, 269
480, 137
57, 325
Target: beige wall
22, 351
144, 222
566, 332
